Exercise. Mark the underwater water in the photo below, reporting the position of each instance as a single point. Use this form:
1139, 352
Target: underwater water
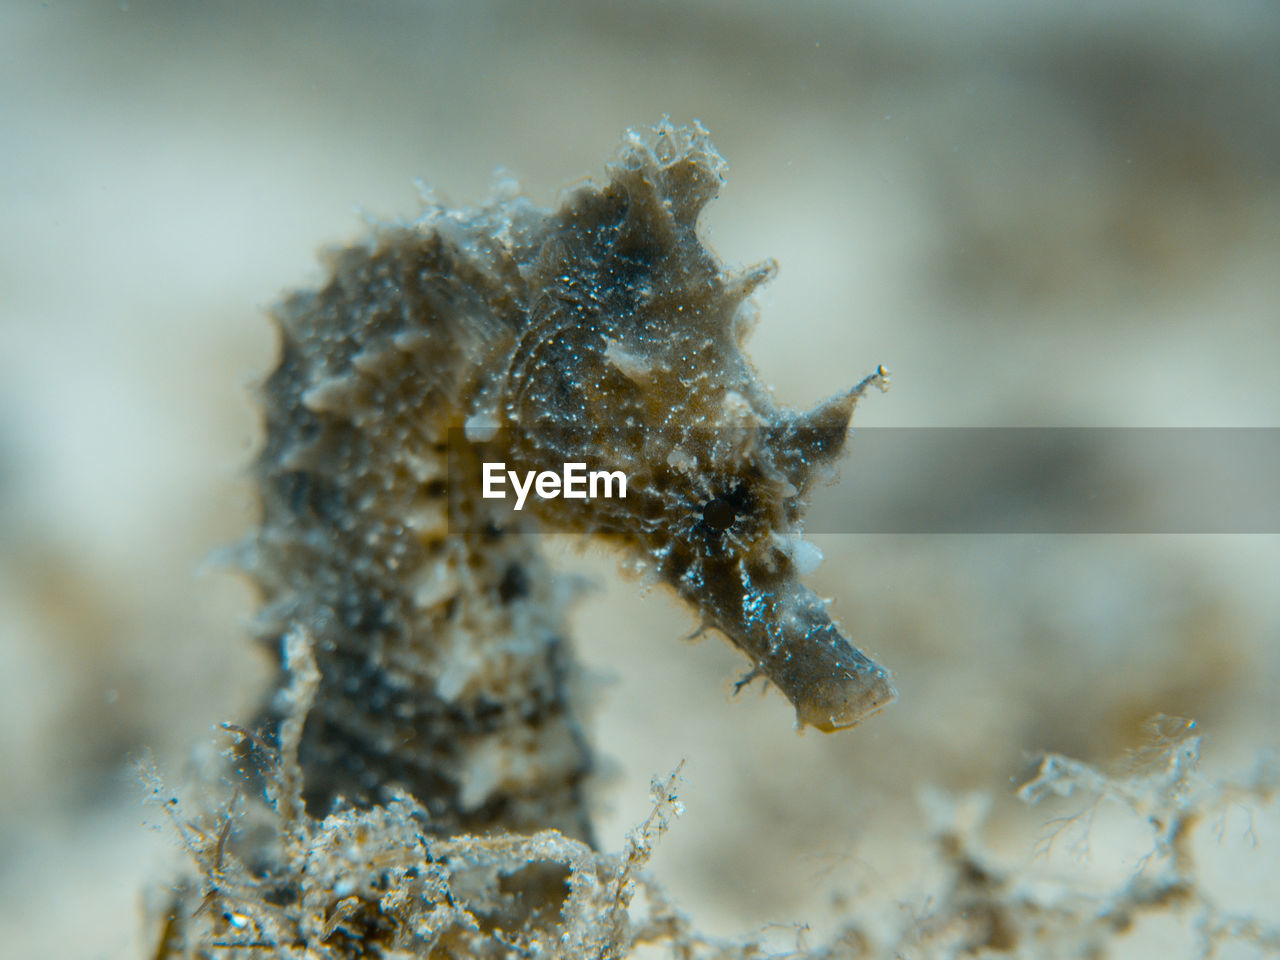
1037, 215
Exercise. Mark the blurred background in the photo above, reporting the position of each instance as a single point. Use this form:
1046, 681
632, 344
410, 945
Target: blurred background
1035, 214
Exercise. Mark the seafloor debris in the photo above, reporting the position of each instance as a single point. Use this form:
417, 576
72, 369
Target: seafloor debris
276, 882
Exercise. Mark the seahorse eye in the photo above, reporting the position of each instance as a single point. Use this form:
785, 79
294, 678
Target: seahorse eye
719, 514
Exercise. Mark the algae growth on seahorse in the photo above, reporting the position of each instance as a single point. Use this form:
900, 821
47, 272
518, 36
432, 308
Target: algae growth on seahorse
603, 332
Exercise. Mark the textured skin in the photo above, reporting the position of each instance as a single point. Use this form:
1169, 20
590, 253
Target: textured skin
605, 333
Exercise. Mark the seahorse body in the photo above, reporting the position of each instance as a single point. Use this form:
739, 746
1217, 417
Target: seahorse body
605, 333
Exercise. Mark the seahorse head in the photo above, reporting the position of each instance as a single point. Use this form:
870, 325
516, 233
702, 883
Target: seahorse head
631, 360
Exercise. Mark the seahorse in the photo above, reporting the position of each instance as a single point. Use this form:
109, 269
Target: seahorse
604, 333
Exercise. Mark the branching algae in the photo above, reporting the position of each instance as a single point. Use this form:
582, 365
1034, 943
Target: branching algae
426, 685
